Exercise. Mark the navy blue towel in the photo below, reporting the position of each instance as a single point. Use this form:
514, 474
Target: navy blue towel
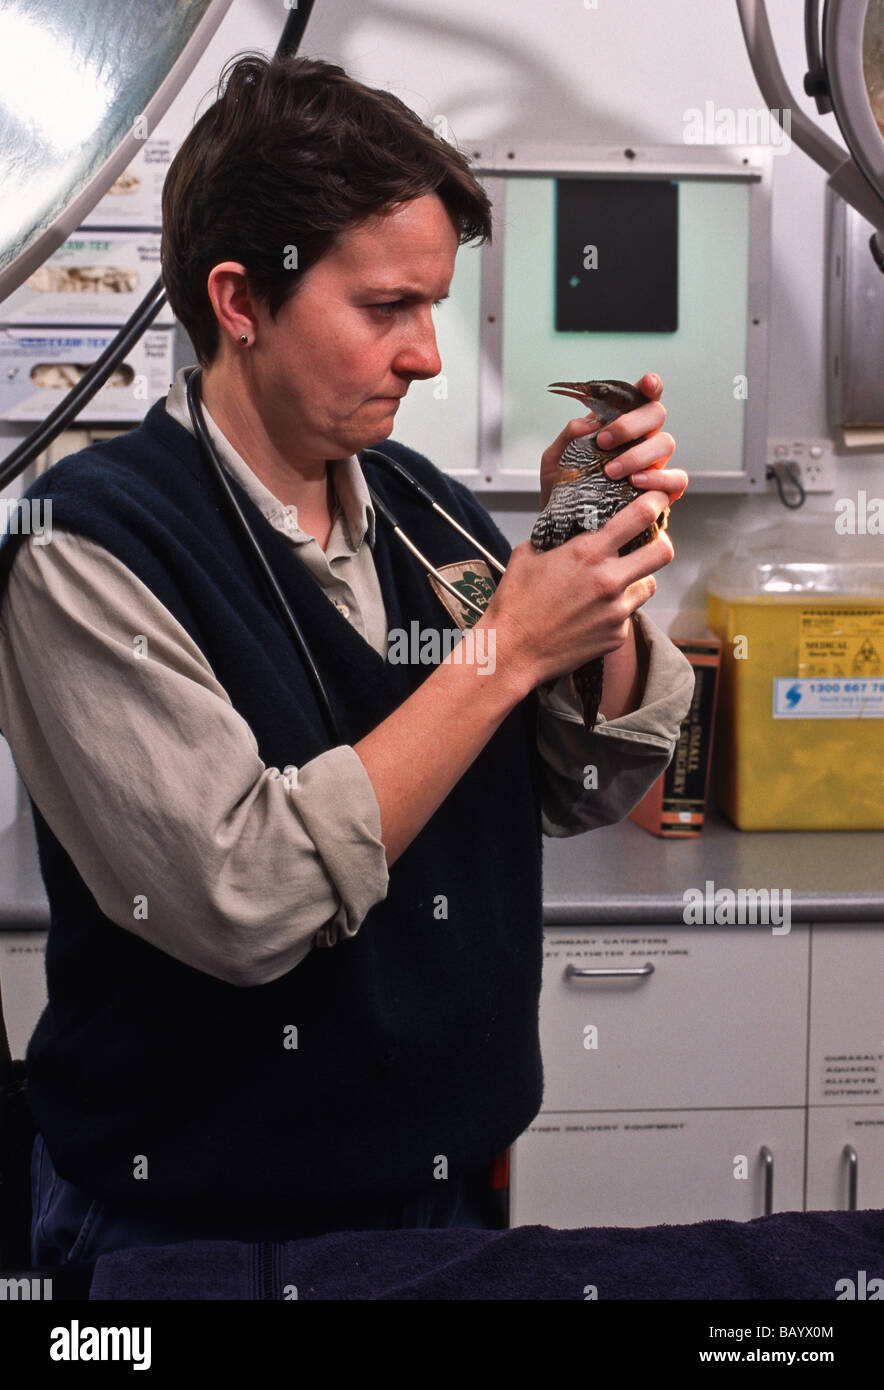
791, 1255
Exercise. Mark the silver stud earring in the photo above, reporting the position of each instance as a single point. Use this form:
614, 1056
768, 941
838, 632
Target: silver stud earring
243, 338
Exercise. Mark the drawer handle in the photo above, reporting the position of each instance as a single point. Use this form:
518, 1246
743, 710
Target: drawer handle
767, 1160
849, 1152
586, 972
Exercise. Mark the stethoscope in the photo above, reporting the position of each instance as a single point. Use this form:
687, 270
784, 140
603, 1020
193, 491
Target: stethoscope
194, 405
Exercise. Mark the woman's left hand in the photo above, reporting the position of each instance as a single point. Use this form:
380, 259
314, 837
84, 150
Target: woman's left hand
644, 465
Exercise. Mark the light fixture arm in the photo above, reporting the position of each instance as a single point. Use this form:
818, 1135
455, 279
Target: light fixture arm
845, 178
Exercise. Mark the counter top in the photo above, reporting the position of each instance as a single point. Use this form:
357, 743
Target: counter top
615, 876
621, 873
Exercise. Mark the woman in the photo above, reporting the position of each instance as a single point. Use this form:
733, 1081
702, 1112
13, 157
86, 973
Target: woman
293, 987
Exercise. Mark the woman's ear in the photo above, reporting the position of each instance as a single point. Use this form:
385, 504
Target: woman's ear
233, 303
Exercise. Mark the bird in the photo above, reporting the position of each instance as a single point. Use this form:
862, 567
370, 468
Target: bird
583, 498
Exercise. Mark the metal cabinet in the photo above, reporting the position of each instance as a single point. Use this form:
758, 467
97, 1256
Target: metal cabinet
846, 1054
702, 1073
640, 1018
845, 1133
643, 1168
845, 1157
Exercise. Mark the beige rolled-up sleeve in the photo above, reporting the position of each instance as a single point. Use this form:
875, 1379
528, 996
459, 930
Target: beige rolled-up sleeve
594, 779
153, 783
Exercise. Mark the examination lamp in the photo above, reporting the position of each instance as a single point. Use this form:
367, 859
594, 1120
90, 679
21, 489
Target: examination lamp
845, 76
81, 88
137, 57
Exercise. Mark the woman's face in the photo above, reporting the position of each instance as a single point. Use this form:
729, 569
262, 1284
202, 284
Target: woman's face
329, 371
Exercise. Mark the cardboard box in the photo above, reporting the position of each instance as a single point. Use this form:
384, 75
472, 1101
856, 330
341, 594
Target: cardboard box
135, 198
94, 277
39, 366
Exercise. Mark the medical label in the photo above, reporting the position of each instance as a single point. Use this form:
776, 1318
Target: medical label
828, 699
843, 643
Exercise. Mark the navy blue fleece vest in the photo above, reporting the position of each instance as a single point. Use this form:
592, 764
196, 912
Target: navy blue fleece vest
416, 1038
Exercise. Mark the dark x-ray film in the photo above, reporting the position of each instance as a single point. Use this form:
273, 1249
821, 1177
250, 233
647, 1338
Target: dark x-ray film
616, 256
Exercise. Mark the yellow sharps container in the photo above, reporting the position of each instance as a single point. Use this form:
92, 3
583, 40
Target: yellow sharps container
799, 739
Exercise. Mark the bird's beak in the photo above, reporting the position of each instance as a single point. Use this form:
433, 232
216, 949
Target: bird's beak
575, 389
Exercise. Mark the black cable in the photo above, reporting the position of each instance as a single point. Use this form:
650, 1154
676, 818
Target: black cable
792, 473
291, 622
89, 384
293, 31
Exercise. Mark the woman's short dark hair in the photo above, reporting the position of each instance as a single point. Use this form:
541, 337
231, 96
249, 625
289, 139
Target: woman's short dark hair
291, 155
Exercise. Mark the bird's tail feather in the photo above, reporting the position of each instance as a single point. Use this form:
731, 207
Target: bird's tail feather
588, 679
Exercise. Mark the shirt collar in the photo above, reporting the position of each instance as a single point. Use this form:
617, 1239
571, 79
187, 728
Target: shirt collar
349, 480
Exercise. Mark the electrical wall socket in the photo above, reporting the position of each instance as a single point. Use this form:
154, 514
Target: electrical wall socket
815, 459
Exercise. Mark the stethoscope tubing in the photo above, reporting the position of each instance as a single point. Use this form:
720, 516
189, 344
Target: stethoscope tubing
388, 516
427, 497
208, 448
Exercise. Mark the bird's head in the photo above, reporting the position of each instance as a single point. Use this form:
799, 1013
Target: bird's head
606, 399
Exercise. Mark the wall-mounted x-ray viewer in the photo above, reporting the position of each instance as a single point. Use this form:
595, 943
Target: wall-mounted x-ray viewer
854, 331
606, 263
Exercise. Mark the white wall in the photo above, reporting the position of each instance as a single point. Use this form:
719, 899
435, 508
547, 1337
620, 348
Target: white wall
625, 71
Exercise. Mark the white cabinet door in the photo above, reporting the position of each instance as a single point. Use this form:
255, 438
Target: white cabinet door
720, 1019
831, 1130
644, 1169
23, 984
846, 1015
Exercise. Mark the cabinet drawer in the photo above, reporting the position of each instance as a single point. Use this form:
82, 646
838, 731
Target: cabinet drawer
830, 1130
718, 1018
647, 1168
846, 1021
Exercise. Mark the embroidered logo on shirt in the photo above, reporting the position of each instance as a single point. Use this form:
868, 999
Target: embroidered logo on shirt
472, 578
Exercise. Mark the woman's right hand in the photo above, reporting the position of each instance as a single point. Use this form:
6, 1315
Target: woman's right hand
555, 609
